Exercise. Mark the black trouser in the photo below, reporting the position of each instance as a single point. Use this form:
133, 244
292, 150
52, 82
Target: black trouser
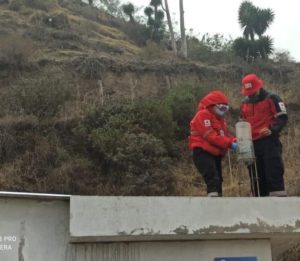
210, 168
269, 164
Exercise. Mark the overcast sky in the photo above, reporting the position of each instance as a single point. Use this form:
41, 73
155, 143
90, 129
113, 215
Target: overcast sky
220, 16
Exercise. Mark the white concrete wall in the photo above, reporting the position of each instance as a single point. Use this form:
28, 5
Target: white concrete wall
37, 228
177, 218
33, 229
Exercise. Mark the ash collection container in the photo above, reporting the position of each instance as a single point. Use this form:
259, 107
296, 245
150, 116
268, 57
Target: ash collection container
245, 144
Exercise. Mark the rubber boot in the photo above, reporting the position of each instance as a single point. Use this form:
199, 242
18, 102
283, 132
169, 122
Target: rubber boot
213, 194
281, 193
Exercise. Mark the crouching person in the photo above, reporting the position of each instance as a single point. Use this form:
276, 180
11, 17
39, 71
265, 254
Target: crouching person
209, 140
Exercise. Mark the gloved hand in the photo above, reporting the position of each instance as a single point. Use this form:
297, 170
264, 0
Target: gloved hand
234, 146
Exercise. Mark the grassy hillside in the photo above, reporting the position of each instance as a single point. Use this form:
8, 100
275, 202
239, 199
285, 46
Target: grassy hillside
86, 109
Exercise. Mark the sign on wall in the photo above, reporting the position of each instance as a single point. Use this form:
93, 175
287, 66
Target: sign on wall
235, 259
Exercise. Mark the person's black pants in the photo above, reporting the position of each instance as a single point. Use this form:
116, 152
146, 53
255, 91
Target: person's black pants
210, 168
270, 168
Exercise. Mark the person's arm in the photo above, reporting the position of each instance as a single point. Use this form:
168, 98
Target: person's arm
280, 114
204, 127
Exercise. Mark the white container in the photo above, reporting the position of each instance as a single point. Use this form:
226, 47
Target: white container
245, 144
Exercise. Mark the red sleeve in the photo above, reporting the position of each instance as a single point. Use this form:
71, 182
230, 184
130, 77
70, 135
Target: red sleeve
203, 124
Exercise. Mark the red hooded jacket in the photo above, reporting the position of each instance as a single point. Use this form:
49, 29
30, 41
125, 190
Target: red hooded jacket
208, 131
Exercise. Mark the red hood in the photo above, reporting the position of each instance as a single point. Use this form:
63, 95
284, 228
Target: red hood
214, 97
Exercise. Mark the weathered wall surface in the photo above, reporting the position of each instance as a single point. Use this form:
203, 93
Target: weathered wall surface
145, 228
172, 251
142, 218
33, 229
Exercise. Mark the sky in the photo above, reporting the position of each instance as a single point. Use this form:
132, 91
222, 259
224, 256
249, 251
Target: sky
221, 16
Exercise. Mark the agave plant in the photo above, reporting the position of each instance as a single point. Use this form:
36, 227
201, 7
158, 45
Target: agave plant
265, 46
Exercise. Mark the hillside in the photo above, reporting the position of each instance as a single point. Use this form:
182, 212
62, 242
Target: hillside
85, 109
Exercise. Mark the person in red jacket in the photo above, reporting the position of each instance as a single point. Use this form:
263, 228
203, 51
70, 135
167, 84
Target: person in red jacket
209, 140
267, 115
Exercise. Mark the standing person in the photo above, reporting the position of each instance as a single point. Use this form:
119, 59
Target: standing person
209, 140
267, 115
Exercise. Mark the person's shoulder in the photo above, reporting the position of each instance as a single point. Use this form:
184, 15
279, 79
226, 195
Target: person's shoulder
204, 113
273, 96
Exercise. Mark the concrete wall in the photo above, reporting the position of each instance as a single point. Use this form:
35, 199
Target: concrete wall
33, 229
172, 251
37, 228
178, 218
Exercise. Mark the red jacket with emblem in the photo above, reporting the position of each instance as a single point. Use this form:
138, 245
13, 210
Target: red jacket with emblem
209, 131
264, 111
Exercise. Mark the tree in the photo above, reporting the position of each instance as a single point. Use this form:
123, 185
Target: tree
182, 30
170, 25
155, 4
254, 21
113, 7
264, 18
156, 24
91, 2
129, 10
247, 18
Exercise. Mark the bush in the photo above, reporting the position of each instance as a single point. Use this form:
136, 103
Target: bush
16, 5
42, 97
138, 33
183, 101
153, 51
15, 53
90, 67
214, 49
44, 5
132, 144
58, 21
89, 12
30, 171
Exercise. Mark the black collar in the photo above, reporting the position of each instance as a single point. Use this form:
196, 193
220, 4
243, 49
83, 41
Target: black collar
263, 94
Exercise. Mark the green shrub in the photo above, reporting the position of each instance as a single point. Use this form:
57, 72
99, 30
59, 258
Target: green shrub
42, 97
133, 144
183, 101
182, 104
147, 165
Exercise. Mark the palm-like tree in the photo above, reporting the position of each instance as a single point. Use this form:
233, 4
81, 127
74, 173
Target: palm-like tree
254, 21
156, 24
149, 12
264, 18
155, 4
129, 10
247, 19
